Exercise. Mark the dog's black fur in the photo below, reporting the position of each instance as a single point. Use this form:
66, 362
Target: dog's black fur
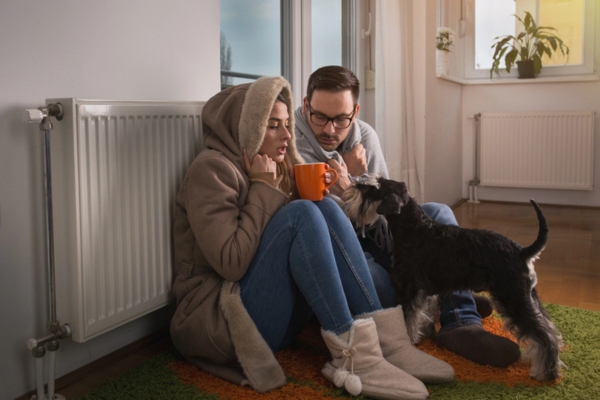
434, 259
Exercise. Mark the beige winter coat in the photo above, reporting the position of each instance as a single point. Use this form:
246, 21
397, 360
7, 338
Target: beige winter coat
220, 216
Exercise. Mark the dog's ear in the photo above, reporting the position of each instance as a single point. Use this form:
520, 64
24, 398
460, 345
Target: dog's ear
391, 204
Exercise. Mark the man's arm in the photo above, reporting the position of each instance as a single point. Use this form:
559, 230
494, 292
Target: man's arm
343, 181
356, 160
365, 157
370, 141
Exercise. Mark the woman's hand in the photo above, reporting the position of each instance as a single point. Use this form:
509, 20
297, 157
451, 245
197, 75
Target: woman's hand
260, 163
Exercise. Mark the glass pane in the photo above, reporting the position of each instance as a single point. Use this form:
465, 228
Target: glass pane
326, 21
567, 17
250, 40
492, 19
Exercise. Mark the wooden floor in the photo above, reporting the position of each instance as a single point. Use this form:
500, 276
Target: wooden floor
569, 267
568, 274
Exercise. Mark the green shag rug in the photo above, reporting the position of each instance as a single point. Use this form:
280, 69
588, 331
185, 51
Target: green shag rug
168, 376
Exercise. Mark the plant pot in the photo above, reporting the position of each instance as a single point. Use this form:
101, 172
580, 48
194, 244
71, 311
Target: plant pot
526, 69
442, 62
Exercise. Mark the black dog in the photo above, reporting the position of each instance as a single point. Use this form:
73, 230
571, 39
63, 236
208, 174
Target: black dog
434, 259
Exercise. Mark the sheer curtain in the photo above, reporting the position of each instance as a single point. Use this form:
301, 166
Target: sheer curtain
394, 101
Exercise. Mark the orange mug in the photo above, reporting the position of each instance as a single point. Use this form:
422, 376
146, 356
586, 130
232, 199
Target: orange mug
310, 180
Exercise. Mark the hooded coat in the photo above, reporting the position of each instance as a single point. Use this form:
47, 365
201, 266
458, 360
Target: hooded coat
220, 215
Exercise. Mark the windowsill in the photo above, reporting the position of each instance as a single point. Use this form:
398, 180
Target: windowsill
504, 81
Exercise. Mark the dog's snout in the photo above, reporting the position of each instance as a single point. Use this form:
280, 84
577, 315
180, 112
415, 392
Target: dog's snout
391, 204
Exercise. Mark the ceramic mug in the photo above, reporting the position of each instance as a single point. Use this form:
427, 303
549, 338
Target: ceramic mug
310, 180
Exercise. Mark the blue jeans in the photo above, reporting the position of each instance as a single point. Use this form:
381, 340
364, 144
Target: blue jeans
308, 261
457, 309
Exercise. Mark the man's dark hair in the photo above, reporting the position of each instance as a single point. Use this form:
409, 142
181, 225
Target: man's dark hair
333, 78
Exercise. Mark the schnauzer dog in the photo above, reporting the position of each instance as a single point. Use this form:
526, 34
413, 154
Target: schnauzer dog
435, 259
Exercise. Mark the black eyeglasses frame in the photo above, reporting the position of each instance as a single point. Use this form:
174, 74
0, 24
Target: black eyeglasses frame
332, 120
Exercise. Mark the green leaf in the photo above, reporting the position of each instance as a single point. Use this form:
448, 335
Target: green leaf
537, 64
524, 54
528, 20
496, 63
503, 44
509, 60
540, 48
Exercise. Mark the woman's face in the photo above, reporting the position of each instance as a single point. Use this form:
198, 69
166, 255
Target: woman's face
277, 136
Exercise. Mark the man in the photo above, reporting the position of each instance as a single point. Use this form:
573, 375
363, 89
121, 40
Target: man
328, 130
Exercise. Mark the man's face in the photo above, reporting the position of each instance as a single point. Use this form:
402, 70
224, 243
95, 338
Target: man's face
327, 105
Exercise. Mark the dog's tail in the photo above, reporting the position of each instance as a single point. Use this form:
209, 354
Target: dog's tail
536, 247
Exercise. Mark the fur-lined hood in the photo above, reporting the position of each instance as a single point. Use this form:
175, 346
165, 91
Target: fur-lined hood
237, 118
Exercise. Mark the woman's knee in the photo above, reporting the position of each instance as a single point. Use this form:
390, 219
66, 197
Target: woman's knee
300, 207
331, 209
440, 213
303, 213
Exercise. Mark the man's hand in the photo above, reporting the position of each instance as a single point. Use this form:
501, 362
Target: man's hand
356, 160
343, 181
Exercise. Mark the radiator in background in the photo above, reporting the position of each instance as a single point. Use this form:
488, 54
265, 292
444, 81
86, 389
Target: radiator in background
549, 150
116, 167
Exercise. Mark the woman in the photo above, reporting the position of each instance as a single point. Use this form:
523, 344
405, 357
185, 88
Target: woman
253, 266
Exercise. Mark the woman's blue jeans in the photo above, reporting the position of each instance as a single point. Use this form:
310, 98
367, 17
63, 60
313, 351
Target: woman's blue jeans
308, 261
457, 309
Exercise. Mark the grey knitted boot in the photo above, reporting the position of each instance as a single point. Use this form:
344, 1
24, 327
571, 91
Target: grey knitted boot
398, 350
359, 367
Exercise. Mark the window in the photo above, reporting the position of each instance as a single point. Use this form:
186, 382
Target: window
257, 38
333, 33
251, 34
573, 19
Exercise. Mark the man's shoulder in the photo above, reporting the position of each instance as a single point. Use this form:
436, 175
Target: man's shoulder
365, 127
362, 122
367, 132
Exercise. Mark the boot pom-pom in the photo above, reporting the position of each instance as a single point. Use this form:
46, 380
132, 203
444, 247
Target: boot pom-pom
339, 377
353, 385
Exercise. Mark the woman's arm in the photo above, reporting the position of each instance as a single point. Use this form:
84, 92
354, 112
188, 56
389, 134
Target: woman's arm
227, 231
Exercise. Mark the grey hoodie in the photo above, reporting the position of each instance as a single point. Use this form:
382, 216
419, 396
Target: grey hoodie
310, 149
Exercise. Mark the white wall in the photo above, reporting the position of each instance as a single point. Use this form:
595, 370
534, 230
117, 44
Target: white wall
443, 101
111, 49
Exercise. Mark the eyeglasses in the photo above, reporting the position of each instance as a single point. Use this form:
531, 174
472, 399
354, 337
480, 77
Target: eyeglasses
322, 120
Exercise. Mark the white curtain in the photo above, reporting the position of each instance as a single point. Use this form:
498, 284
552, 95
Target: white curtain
394, 100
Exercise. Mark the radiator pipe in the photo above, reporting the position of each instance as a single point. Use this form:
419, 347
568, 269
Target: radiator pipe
475, 181
57, 331
52, 348
49, 226
38, 353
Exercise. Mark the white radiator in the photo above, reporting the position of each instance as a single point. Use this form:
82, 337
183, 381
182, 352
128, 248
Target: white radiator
116, 167
550, 150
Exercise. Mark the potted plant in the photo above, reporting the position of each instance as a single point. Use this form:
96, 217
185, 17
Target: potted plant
444, 38
527, 48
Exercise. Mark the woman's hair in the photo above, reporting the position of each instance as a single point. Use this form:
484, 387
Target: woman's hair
283, 167
333, 78
281, 98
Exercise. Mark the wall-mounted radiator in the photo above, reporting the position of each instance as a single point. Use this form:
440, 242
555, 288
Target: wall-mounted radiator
116, 167
550, 150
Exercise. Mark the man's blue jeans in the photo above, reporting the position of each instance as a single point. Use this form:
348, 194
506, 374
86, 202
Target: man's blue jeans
457, 309
308, 260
